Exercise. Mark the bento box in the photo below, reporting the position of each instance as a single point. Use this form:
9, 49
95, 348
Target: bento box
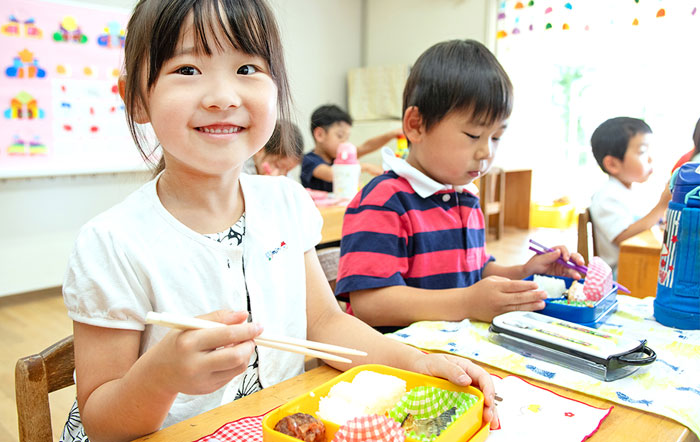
602, 355
589, 316
467, 427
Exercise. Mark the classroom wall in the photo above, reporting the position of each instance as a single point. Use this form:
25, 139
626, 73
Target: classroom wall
398, 31
40, 217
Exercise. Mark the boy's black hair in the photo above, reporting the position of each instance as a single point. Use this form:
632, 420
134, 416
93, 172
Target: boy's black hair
613, 136
458, 75
696, 139
327, 115
276, 146
154, 31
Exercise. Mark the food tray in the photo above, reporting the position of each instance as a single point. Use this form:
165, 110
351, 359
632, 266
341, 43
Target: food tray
588, 316
598, 354
467, 428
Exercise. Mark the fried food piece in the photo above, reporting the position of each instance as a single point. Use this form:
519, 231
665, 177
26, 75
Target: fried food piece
302, 426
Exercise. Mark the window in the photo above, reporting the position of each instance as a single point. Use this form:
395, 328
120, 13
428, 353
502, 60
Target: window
575, 64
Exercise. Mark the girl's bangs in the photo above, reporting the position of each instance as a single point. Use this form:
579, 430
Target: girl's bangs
242, 23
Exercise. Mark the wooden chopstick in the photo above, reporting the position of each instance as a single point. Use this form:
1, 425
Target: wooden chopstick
312, 344
298, 349
294, 345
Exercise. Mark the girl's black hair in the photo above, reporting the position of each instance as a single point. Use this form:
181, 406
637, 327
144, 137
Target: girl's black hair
154, 31
458, 75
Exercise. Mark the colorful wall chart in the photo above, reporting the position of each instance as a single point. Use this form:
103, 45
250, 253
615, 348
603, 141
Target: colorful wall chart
60, 110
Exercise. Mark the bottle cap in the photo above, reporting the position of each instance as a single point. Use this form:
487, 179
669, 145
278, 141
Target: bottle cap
346, 154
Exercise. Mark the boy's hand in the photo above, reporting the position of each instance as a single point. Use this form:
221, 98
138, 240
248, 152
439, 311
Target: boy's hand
202, 361
665, 197
495, 295
461, 371
547, 264
371, 169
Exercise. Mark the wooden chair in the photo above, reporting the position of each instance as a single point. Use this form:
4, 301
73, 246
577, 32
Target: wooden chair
492, 190
586, 236
329, 258
35, 377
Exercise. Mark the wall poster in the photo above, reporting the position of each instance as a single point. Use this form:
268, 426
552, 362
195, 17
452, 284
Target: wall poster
60, 110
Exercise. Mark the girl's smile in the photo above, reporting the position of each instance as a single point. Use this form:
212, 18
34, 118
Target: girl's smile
220, 129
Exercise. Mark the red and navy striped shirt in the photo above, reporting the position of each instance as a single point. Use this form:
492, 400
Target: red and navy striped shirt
393, 236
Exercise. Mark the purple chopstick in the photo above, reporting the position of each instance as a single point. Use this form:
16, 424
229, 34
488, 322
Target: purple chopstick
545, 249
581, 269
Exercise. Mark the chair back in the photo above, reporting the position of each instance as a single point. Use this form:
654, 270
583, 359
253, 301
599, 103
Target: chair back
492, 196
35, 377
329, 258
586, 236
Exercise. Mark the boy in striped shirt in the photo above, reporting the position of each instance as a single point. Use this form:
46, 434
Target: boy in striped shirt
413, 244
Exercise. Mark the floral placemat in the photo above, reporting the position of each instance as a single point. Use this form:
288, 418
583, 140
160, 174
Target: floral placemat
670, 386
525, 410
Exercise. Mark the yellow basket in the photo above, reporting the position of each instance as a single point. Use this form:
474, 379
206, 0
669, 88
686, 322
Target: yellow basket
467, 428
553, 216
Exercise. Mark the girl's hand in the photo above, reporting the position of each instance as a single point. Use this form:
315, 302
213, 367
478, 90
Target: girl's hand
461, 371
202, 361
495, 295
547, 264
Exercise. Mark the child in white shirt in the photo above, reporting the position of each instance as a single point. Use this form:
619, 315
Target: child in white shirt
618, 210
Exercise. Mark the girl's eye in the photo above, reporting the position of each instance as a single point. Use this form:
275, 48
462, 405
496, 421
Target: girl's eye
473, 137
187, 70
248, 69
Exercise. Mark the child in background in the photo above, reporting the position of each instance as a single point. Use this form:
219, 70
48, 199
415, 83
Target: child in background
619, 210
203, 239
413, 238
274, 158
694, 155
331, 126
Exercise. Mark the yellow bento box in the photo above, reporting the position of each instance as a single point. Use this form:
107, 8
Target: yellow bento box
468, 427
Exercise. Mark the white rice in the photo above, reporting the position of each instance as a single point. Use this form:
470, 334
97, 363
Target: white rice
554, 287
369, 393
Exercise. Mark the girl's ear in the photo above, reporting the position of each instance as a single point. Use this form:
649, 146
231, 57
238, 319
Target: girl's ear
140, 115
612, 165
413, 125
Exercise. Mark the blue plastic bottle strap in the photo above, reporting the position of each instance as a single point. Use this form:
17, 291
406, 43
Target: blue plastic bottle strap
672, 181
692, 198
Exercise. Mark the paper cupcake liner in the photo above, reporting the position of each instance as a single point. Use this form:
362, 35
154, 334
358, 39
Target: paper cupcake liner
431, 402
372, 428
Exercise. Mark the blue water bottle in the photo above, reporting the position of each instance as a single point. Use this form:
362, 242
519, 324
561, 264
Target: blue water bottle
677, 302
